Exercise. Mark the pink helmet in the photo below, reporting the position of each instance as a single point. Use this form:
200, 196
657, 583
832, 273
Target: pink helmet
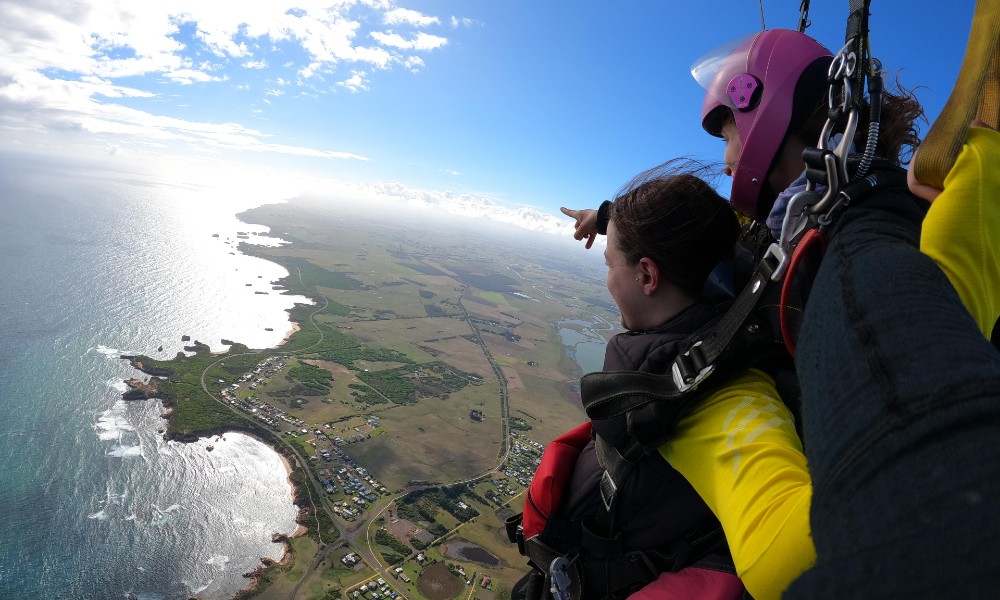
755, 78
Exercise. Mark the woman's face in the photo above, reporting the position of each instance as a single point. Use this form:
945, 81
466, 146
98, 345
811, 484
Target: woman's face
622, 281
733, 146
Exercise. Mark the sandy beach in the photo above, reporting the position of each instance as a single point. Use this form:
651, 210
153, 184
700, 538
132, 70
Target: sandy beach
295, 327
300, 529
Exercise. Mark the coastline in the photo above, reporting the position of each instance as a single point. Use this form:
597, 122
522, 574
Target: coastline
300, 529
158, 386
253, 577
288, 336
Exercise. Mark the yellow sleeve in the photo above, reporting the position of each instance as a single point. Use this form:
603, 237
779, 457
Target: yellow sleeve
740, 452
962, 229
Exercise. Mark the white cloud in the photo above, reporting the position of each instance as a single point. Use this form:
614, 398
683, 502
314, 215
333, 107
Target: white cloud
356, 82
451, 172
421, 41
189, 76
275, 92
414, 63
467, 205
410, 17
63, 62
462, 22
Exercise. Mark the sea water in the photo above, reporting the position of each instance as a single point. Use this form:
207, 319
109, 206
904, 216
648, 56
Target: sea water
93, 502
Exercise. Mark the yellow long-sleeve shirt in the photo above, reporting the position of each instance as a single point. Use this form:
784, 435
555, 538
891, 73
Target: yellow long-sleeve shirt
740, 451
962, 229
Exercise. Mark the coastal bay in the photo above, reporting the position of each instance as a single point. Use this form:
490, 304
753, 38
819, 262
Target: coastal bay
402, 341
95, 502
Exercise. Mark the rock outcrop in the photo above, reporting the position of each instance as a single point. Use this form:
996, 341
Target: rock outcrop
140, 390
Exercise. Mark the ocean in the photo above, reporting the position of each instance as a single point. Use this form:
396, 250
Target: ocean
93, 503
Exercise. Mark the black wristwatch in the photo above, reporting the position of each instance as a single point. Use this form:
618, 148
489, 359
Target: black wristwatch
603, 217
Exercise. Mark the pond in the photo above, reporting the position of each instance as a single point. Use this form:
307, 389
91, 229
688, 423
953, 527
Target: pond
468, 551
583, 342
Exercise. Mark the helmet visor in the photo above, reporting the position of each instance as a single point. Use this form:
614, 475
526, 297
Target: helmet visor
714, 70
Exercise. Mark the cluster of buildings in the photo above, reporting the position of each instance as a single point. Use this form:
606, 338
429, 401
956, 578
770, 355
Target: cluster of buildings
374, 590
354, 481
267, 414
346, 476
523, 460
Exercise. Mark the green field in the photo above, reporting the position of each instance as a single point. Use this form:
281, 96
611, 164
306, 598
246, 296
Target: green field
420, 358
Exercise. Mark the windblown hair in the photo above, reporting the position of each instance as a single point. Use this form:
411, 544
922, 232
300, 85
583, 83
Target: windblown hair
671, 215
898, 133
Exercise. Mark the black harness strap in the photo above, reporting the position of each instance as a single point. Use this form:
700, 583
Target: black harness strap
611, 394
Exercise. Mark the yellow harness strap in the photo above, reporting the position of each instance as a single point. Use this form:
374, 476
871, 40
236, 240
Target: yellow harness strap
976, 95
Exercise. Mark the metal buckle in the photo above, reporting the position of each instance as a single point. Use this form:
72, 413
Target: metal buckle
679, 379
781, 259
559, 574
608, 490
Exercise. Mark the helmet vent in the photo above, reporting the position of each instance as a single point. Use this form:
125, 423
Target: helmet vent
744, 90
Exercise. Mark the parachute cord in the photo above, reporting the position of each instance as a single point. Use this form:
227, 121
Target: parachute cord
813, 236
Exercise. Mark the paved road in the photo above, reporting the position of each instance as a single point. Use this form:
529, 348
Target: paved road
350, 536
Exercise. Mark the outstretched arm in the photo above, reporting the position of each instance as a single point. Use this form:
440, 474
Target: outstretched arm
586, 224
589, 222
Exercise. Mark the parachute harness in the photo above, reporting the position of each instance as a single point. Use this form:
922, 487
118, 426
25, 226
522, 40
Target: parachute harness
809, 210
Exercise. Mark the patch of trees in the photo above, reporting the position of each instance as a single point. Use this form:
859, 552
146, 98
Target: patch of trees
519, 424
348, 355
312, 380
313, 275
423, 504
418, 544
433, 310
392, 384
384, 538
363, 393
336, 308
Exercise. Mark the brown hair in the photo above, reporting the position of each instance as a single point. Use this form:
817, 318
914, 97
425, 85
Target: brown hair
671, 215
898, 134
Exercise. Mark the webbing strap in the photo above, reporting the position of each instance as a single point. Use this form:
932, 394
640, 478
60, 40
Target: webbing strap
976, 95
617, 468
857, 39
606, 395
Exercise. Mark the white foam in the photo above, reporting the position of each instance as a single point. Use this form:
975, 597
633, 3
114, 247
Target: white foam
201, 589
100, 516
126, 451
219, 561
117, 385
109, 352
163, 518
112, 422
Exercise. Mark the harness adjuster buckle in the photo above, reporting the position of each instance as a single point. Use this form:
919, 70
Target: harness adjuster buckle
560, 578
689, 369
608, 490
777, 259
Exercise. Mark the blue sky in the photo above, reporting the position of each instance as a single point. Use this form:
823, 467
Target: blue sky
514, 107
